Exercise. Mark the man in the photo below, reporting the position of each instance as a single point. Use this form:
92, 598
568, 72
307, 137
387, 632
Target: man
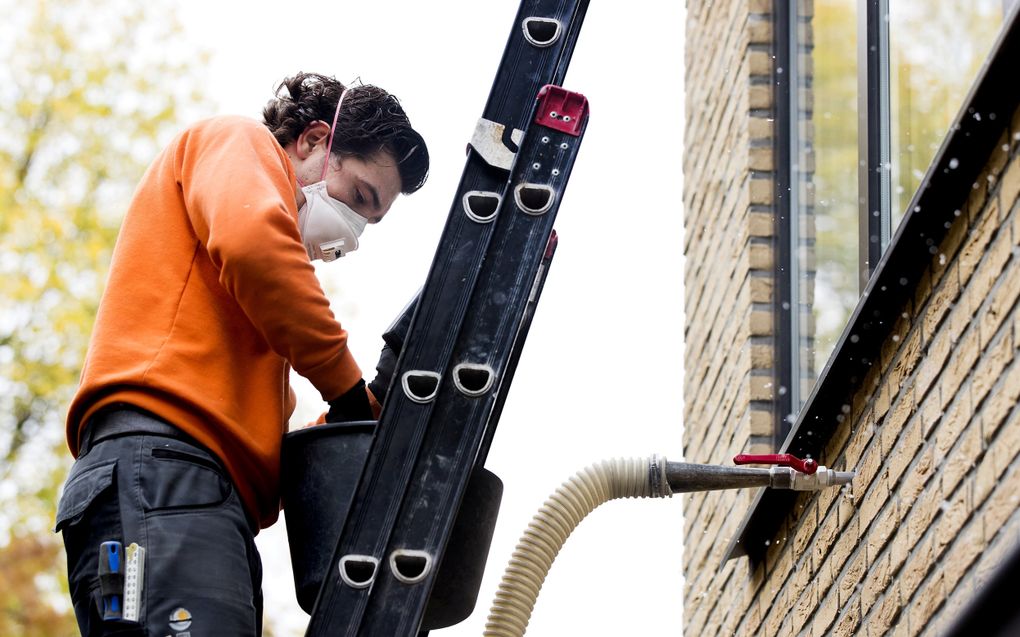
211, 300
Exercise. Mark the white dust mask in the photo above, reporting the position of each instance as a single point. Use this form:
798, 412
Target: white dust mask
329, 227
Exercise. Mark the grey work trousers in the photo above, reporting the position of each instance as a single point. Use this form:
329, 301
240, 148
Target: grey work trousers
139, 480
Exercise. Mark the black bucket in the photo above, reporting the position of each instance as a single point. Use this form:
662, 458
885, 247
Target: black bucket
460, 573
321, 467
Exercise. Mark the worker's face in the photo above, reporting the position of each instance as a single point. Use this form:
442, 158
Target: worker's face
369, 186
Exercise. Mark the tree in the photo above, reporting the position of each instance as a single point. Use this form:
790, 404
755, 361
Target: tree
83, 110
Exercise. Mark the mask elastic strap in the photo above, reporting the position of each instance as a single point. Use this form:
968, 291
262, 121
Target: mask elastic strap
332, 128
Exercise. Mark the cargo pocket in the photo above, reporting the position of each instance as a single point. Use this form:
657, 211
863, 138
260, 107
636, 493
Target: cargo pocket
88, 514
182, 479
81, 491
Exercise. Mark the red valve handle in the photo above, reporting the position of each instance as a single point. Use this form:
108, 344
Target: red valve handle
808, 466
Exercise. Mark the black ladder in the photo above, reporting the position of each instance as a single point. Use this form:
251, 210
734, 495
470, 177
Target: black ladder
462, 346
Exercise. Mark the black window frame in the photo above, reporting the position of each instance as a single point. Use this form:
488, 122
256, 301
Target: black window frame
891, 266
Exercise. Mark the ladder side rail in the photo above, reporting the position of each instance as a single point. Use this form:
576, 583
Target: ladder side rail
506, 379
457, 423
430, 340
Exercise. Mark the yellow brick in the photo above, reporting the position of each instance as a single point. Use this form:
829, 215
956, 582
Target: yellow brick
917, 477
761, 255
760, 224
803, 607
881, 530
954, 514
895, 422
964, 356
760, 158
907, 445
899, 549
882, 619
938, 305
824, 616
761, 192
991, 365
825, 573
923, 512
1002, 299
970, 253
851, 577
1016, 221
759, 128
759, 30
956, 419
859, 439
931, 363
974, 248
761, 388
961, 459
761, 357
762, 423
802, 535
759, 62
876, 580
760, 96
930, 411
985, 476
881, 404
848, 621
901, 629
927, 600
921, 561
1001, 504
824, 537
908, 353
965, 550
1010, 184
761, 289
867, 469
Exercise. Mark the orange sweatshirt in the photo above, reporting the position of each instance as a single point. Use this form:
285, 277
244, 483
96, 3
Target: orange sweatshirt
210, 299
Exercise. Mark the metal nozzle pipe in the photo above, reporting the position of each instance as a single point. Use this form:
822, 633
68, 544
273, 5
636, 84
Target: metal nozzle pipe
684, 477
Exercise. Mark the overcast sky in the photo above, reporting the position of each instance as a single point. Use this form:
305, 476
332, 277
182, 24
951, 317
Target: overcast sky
601, 375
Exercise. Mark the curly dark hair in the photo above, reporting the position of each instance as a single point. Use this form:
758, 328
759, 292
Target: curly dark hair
370, 120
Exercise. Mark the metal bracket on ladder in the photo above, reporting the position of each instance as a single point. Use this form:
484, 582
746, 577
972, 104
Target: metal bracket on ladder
487, 141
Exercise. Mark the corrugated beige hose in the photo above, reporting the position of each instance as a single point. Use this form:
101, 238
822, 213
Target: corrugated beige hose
554, 522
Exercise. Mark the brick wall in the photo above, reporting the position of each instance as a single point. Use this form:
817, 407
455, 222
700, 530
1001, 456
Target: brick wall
729, 252
933, 431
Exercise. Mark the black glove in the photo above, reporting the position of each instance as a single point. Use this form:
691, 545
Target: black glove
351, 406
394, 343
384, 373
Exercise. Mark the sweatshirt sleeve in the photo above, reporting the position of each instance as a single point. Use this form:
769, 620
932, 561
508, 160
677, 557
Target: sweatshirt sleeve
238, 188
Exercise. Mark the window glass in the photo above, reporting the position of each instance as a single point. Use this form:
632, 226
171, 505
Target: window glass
936, 50
826, 169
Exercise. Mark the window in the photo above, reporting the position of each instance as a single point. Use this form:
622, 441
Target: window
936, 50
865, 93
895, 133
